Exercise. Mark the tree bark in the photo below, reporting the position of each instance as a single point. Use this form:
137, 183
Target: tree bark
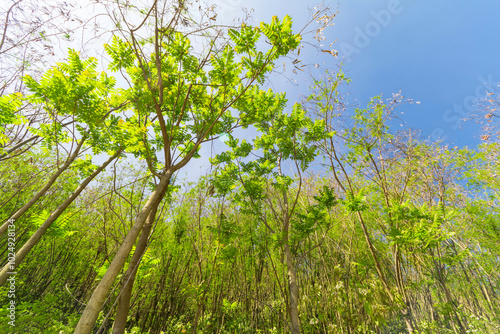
47, 186
122, 310
293, 291
21, 254
94, 305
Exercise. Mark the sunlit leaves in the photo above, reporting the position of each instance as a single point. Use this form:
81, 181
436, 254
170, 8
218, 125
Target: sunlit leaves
416, 228
225, 70
355, 202
280, 34
245, 39
315, 215
74, 90
194, 97
58, 229
9, 105
121, 54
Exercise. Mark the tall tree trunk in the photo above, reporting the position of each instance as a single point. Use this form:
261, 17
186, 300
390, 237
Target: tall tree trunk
21, 254
407, 312
449, 298
94, 305
293, 290
128, 280
47, 186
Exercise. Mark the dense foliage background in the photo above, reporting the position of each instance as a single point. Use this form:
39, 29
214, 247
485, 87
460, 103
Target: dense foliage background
323, 220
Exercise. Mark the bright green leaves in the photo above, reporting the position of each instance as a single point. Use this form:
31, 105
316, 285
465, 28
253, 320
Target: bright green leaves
178, 46
121, 53
257, 106
286, 141
315, 215
252, 60
226, 70
280, 34
226, 179
9, 105
355, 202
59, 228
74, 90
284, 138
417, 228
245, 39
176, 60
242, 150
373, 119
369, 129
84, 166
291, 137
326, 198
481, 168
185, 98
148, 265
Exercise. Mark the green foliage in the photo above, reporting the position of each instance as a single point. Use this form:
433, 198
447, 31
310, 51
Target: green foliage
75, 90
421, 216
316, 215
416, 229
197, 98
40, 316
355, 203
9, 105
59, 227
121, 53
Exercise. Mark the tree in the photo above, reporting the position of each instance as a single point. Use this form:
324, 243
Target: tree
76, 91
27, 34
488, 114
181, 99
77, 101
285, 138
365, 141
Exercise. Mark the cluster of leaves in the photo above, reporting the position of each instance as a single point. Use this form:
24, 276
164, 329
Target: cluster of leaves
186, 100
418, 229
75, 93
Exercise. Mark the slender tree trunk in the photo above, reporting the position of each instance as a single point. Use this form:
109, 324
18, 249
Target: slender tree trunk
407, 312
449, 298
128, 281
94, 305
378, 267
375, 258
201, 303
21, 254
16, 147
293, 291
47, 186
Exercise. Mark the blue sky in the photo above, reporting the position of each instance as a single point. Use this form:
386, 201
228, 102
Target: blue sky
443, 54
